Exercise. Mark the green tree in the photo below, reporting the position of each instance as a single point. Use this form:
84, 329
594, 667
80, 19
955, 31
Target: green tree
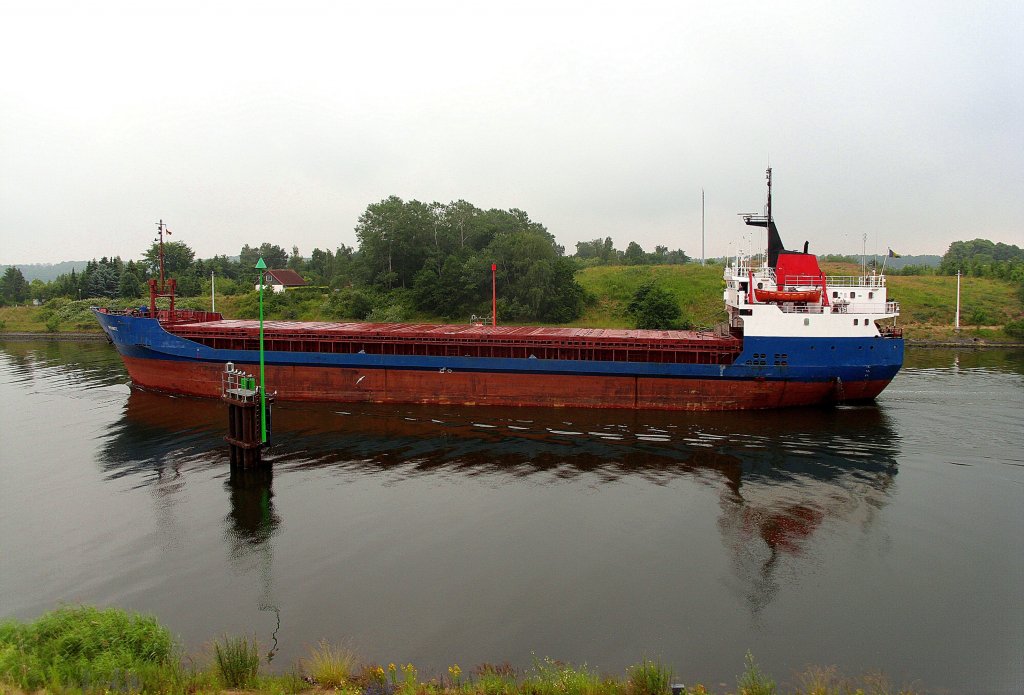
295, 261
272, 254
102, 281
178, 257
653, 307
349, 303
320, 267
535, 282
983, 258
395, 239
129, 284
14, 289
37, 289
634, 254
460, 288
601, 252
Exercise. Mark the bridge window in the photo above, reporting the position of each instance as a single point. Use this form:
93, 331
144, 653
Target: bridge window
855, 321
853, 295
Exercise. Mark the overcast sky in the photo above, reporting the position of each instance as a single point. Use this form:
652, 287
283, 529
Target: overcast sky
244, 122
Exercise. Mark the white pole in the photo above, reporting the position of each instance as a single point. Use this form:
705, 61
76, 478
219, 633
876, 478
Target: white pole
213, 294
958, 300
702, 226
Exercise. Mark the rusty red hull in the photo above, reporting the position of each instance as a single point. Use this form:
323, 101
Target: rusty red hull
297, 383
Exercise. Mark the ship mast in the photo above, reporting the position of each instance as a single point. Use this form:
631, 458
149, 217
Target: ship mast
161, 227
766, 221
161, 290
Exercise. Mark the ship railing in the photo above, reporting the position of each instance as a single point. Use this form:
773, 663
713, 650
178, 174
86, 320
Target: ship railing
186, 316
855, 281
802, 308
238, 385
802, 280
843, 307
760, 272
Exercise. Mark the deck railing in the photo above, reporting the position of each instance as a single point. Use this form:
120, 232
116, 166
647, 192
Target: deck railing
762, 273
843, 308
855, 281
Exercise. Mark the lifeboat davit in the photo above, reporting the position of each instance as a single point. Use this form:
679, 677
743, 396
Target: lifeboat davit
766, 296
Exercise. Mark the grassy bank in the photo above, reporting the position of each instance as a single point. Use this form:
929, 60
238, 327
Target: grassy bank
81, 649
928, 304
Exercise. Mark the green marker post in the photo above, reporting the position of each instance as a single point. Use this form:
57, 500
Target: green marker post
261, 266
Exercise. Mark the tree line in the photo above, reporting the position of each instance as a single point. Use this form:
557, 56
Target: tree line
984, 258
433, 258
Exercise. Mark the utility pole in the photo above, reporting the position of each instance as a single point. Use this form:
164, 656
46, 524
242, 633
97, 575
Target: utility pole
702, 226
957, 325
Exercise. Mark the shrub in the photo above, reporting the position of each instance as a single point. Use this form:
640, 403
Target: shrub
88, 648
552, 677
654, 308
752, 681
348, 303
237, 661
388, 313
648, 678
1015, 329
496, 679
330, 666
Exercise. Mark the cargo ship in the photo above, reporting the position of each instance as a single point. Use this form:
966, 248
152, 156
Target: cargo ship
794, 337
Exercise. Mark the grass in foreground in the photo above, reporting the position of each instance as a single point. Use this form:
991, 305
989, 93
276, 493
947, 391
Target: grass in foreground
81, 649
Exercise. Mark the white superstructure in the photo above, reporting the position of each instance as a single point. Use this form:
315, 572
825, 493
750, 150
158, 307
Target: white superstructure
786, 294
847, 306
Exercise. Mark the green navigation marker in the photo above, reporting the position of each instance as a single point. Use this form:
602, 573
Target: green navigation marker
261, 266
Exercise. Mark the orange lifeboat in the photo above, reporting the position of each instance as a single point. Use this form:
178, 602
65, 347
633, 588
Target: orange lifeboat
787, 295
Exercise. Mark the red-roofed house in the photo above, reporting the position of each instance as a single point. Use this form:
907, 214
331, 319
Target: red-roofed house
280, 280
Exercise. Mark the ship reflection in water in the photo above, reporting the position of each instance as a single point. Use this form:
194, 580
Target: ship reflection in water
781, 476
588, 536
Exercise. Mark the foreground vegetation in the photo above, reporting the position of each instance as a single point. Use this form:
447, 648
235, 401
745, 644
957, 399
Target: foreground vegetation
81, 649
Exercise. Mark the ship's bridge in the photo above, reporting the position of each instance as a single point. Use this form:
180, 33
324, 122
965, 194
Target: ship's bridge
772, 302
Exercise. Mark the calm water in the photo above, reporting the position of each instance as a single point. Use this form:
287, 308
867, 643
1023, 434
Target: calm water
881, 537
